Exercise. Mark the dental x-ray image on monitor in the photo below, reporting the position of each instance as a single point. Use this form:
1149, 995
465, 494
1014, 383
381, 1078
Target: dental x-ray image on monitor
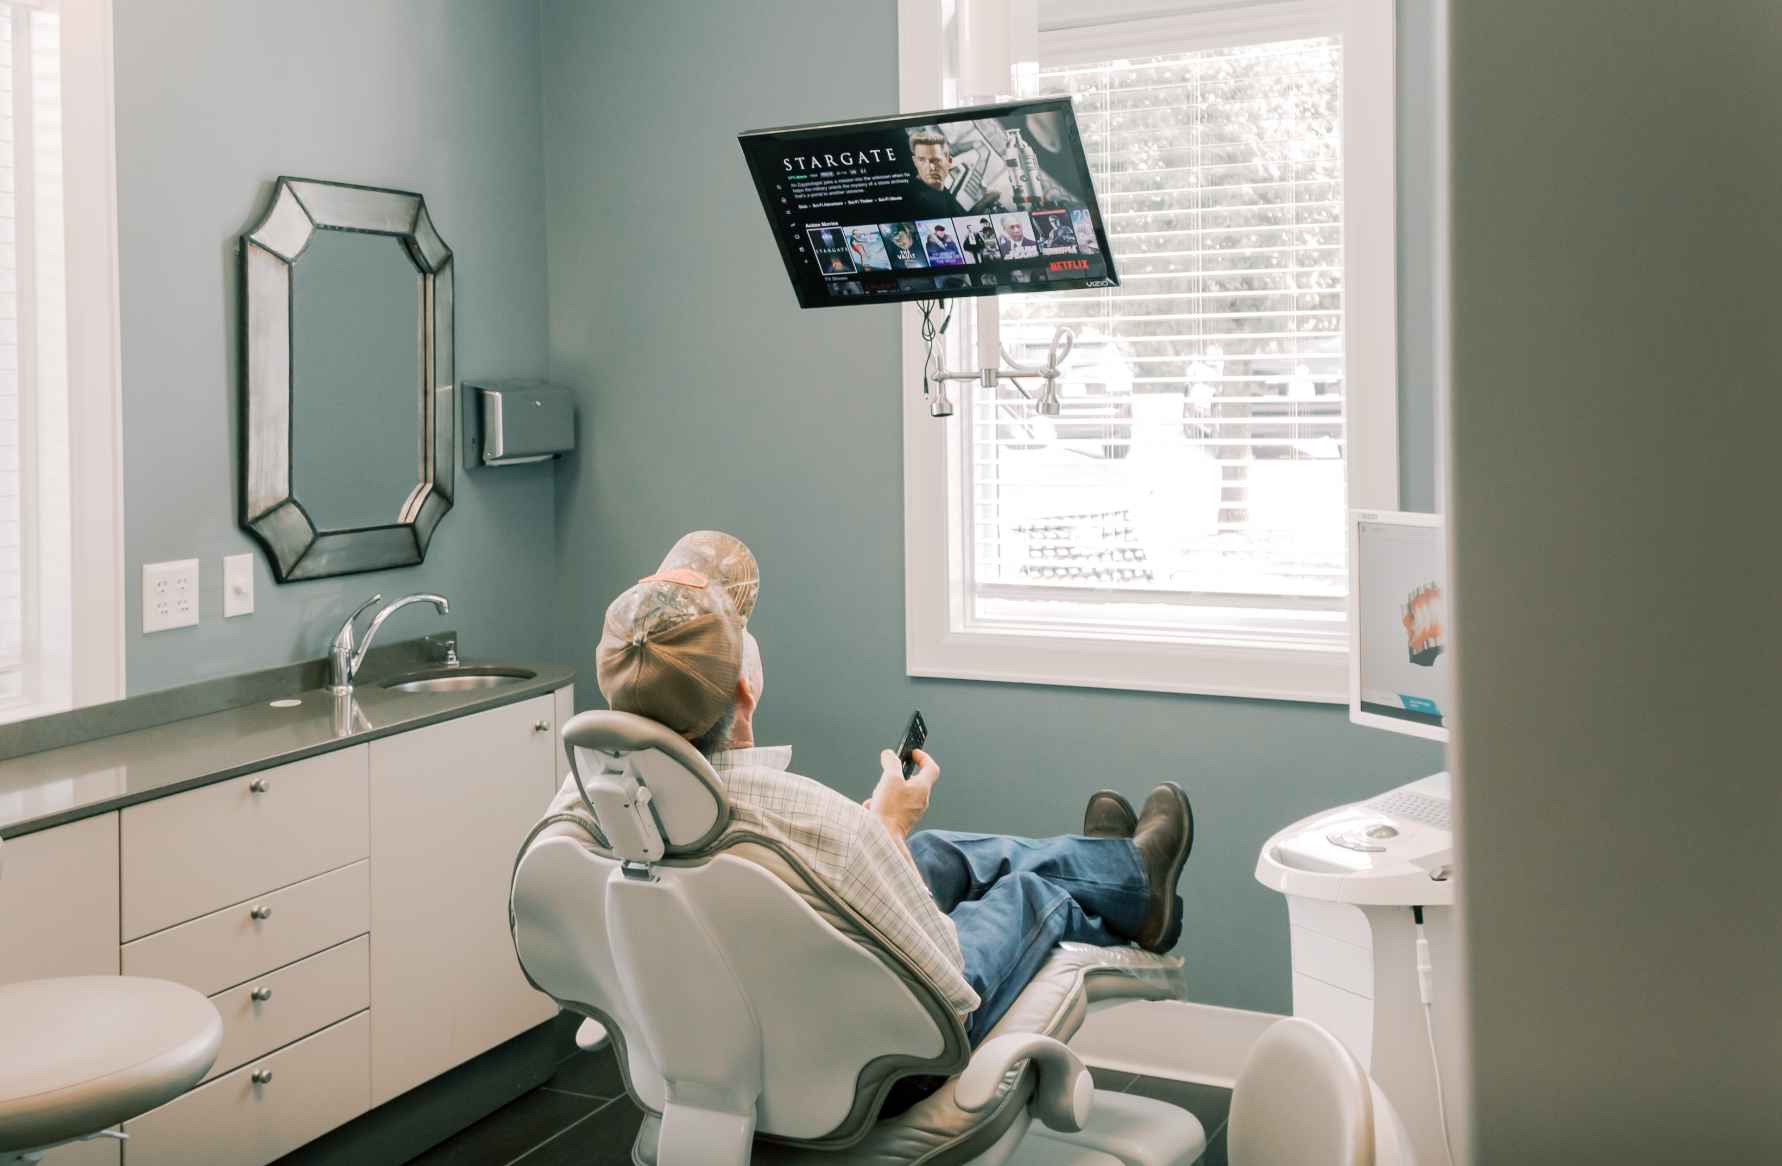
1399, 665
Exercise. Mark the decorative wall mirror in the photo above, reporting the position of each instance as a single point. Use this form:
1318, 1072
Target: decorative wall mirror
347, 420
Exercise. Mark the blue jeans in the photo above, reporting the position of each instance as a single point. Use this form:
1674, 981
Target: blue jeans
1013, 899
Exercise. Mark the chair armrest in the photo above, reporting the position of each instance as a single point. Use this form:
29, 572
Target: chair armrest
1065, 1090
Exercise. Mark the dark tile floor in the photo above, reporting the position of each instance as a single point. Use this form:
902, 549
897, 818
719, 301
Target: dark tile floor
581, 1117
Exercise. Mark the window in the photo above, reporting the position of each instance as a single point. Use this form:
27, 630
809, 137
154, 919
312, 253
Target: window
1180, 525
59, 619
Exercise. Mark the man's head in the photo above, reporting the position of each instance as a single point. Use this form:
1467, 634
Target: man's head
1014, 232
940, 233
671, 649
932, 159
675, 647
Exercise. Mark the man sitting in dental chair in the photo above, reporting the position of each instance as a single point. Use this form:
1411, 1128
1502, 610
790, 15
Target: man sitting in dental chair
978, 913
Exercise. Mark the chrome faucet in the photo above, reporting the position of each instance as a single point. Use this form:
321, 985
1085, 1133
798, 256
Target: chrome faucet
344, 658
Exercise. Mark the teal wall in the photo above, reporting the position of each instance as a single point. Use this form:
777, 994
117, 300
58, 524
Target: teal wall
215, 98
708, 399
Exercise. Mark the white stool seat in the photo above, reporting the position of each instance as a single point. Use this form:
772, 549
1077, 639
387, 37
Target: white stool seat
1302, 1100
81, 1053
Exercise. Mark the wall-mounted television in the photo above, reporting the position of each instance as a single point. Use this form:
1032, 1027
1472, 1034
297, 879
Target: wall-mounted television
981, 201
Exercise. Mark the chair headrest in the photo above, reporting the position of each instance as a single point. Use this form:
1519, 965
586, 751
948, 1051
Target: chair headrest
686, 796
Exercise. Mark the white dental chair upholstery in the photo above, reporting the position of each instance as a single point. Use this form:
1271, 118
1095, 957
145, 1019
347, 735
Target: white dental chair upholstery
756, 1017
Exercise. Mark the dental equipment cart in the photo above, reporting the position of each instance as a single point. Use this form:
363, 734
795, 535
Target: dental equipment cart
1351, 876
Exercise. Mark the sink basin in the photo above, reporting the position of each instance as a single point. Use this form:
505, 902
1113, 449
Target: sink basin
464, 678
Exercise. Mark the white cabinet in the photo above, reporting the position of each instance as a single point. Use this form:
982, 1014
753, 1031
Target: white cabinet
270, 1011
305, 1090
59, 902
59, 917
234, 945
189, 854
347, 914
450, 805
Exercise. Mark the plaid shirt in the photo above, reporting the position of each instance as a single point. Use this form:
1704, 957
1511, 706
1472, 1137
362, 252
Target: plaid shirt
846, 846
850, 850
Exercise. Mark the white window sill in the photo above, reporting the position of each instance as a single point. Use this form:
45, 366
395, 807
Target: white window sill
27, 710
1078, 660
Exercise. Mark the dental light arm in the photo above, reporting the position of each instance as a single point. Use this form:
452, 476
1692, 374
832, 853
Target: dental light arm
935, 372
1061, 1098
1063, 340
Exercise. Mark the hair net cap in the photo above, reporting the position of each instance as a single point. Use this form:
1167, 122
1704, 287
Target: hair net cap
671, 649
724, 558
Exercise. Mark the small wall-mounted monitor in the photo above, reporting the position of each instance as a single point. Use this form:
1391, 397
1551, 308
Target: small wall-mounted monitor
961, 202
1400, 670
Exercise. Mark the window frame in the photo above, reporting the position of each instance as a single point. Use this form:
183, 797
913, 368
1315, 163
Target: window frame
91, 667
938, 640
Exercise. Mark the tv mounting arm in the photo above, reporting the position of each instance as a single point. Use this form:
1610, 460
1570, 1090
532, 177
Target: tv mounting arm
936, 374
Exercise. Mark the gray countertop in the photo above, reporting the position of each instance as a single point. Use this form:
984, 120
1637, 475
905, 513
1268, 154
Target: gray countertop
40, 790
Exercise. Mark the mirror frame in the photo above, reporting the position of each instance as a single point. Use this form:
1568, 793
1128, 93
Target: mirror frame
270, 509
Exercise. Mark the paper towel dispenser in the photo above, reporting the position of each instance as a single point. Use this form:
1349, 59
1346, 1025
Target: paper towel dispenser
513, 422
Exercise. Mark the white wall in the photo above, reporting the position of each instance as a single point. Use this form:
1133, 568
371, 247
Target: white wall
1615, 420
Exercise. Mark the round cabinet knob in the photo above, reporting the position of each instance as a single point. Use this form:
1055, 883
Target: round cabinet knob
259, 785
261, 995
541, 726
260, 911
262, 1076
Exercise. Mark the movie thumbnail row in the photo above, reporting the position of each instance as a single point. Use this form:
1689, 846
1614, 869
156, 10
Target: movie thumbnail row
957, 281
929, 243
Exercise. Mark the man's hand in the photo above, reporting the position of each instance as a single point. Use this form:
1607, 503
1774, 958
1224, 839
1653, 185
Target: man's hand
897, 801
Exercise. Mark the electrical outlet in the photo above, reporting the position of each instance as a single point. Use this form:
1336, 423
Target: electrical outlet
238, 585
169, 595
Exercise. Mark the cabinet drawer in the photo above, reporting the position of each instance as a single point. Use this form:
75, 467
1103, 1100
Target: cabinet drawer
309, 995
230, 946
188, 854
317, 1084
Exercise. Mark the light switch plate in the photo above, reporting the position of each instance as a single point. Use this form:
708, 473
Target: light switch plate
238, 585
169, 595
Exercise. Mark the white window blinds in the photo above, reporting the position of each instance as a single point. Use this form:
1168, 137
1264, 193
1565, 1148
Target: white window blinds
1198, 460
34, 422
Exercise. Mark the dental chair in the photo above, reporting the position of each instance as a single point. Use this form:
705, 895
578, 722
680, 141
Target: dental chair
757, 1018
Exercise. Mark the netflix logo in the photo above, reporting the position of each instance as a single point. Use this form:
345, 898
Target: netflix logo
1068, 266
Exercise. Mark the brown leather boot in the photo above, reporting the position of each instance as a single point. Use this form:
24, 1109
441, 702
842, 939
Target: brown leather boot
1164, 837
1109, 815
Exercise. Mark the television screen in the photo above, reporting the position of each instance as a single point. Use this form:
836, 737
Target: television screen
963, 202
